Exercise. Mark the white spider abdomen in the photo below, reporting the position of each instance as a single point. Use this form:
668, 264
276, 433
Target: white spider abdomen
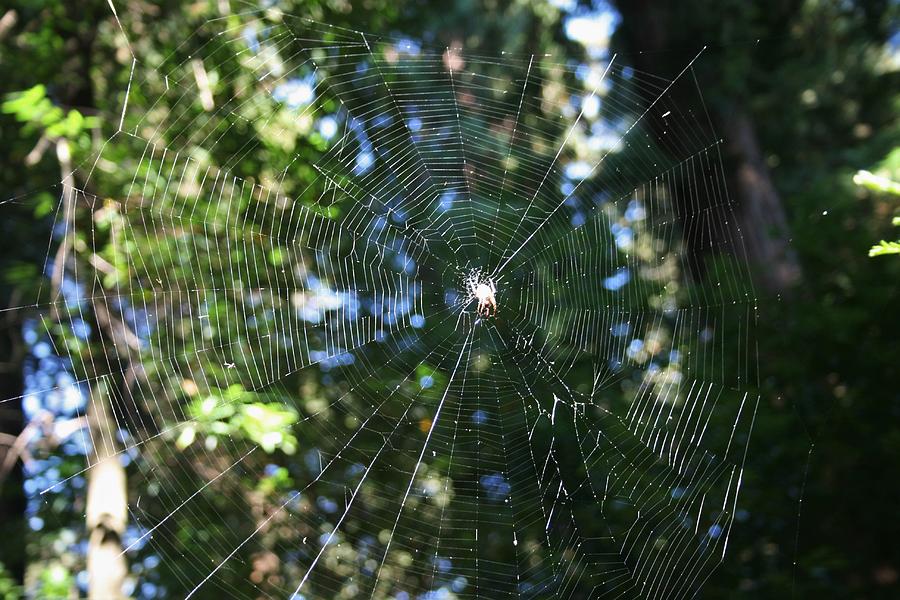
483, 292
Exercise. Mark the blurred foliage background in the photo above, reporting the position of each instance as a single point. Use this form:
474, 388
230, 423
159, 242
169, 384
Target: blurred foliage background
805, 95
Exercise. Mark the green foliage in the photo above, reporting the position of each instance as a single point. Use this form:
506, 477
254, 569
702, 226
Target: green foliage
9, 589
38, 113
884, 247
237, 413
279, 480
884, 186
815, 91
55, 582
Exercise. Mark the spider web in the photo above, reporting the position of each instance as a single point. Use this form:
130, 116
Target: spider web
587, 441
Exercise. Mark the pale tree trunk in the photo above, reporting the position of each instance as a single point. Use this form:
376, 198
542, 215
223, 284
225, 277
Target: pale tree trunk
107, 503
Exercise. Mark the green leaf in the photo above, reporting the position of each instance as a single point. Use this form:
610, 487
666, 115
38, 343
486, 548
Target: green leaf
885, 248
19, 273
24, 104
876, 183
44, 205
186, 438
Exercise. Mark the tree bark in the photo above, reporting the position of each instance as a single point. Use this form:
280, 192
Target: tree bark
107, 503
762, 235
12, 424
763, 223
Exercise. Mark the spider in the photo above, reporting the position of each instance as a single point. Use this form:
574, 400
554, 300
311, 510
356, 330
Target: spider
484, 292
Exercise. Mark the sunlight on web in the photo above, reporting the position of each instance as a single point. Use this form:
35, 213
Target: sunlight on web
314, 327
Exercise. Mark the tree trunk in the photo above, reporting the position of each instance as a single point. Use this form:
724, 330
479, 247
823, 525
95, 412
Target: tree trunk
650, 29
107, 503
12, 423
762, 219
